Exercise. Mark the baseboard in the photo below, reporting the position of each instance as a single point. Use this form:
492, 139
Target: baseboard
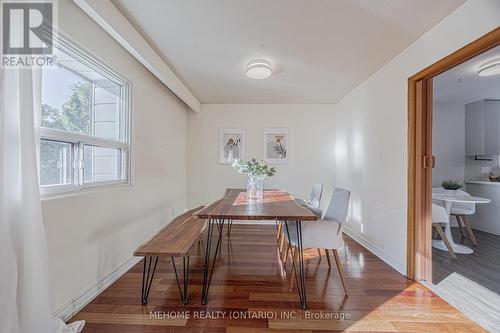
376, 251
69, 309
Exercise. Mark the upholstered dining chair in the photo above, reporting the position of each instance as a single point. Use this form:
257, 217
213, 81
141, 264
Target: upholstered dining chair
314, 197
324, 234
312, 204
440, 217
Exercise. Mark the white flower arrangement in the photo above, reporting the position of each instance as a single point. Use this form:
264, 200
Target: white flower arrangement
254, 168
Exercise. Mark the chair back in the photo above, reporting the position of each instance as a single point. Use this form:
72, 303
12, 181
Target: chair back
470, 207
439, 214
315, 197
338, 206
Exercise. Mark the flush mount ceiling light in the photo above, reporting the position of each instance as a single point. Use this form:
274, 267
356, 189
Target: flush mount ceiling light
490, 68
259, 69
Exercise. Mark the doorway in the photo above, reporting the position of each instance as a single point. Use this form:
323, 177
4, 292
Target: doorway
455, 277
420, 156
466, 175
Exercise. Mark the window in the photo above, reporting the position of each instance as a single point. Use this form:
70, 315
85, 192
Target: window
84, 122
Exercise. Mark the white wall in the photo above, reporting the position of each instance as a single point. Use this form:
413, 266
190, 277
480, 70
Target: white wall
90, 234
370, 127
311, 147
448, 142
360, 144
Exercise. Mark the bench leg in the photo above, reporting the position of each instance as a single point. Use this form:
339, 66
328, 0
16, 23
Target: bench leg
229, 227
147, 278
207, 272
183, 293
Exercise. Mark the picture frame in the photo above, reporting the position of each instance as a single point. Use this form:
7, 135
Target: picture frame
276, 145
232, 142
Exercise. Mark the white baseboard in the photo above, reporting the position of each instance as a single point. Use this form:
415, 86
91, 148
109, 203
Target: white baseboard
69, 309
376, 251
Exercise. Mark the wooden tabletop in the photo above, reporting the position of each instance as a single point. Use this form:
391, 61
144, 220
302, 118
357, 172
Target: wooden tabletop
276, 204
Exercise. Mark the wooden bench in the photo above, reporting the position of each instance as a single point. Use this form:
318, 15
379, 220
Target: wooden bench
174, 240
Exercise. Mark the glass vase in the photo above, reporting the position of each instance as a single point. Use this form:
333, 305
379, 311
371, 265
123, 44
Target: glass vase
254, 188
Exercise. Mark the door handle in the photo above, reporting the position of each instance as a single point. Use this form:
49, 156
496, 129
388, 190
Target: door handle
429, 161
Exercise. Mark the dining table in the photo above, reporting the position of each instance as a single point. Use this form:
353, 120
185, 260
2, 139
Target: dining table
275, 205
448, 200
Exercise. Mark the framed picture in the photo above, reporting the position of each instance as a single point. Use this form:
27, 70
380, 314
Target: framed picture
276, 145
232, 144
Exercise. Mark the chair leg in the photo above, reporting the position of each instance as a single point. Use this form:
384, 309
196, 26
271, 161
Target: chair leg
469, 230
283, 242
284, 253
278, 232
460, 225
445, 240
280, 240
294, 262
341, 270
328, 258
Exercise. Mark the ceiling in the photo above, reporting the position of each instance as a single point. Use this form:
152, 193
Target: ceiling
462, 85
320, 50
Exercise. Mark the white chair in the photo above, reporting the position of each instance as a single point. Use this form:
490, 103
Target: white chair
324, 234
440, 217
312, 204
461, 211
314, 200
314, 197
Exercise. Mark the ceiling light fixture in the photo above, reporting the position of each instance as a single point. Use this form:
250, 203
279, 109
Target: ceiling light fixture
490, 68
259, 69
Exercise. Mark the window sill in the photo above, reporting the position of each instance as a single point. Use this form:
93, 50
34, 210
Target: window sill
72, 191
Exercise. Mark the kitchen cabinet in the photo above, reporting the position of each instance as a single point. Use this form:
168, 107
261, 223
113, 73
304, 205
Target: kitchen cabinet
474, 128
492, 127
482, 128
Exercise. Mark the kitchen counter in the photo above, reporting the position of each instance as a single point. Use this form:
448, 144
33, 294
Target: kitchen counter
482, 182
486, 215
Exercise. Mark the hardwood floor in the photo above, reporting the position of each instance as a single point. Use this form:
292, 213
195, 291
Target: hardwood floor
482, 266
248, 281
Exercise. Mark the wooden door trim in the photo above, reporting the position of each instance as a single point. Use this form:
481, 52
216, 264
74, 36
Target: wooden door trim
419, 252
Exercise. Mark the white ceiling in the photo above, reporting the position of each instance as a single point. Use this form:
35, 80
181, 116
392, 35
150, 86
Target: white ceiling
320, 50
462, 85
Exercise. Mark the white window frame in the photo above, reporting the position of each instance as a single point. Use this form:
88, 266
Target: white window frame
78, 141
